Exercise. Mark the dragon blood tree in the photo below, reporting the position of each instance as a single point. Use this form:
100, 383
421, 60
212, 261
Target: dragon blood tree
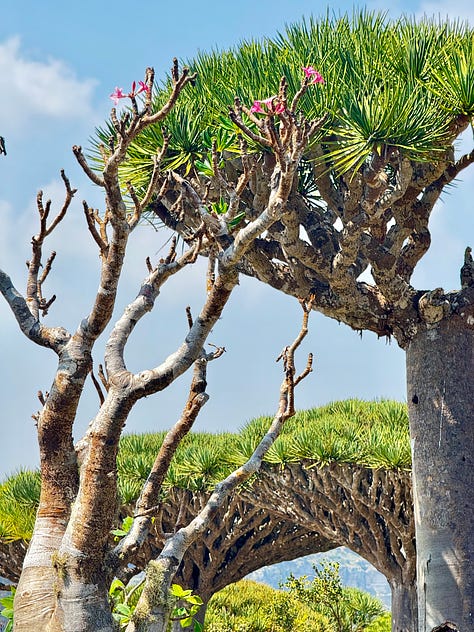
392, 99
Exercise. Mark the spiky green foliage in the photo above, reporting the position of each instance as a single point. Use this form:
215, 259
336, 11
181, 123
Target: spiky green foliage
19, 498
373, 434
248, 606
388, 84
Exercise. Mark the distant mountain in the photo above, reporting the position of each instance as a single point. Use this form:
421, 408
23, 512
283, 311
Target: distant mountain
354, 570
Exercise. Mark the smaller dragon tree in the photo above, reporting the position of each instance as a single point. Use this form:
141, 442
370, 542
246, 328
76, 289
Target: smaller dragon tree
337, 476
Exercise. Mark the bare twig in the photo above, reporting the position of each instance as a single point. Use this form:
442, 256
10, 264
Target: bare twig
102, 377
97, 388
93, 218
189, 316
91, 174
177, 544
148, 504
34, 296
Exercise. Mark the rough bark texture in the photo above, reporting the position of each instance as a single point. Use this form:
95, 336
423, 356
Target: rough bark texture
440, 368
369, 511
242, 538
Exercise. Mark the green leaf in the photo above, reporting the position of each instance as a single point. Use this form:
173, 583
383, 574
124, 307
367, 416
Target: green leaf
220, 207
237, 219
116, 586
204, 168
195, 599
185, 622
123, 608
177, 591
125, 528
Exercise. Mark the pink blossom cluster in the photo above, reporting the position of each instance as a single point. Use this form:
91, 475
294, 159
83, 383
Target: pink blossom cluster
310, 72
266, 106
118, 93
273, 106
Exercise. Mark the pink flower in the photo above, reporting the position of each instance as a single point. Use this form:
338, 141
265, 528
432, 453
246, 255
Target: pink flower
257, 107
309, 71
117, 94
266, 106
269, 102
143, 87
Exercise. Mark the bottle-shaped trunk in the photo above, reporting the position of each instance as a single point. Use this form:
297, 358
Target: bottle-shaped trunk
404, 607
440, 370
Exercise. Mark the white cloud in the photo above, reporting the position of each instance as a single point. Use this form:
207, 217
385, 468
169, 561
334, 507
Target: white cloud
32, 89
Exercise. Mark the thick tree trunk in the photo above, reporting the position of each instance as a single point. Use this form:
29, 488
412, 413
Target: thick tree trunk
37, 578
404, 607
440, 369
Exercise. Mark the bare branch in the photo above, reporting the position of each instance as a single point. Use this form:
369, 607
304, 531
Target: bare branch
301, 91
52, 337
179, 82
148, 502
44, 305
97, 388
90, 173
153, 183
47, 268
67, 201
92, 217
236, 117
114, 355
189, 316
178, 543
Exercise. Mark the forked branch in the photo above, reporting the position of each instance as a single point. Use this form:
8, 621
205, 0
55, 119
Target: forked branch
177, 544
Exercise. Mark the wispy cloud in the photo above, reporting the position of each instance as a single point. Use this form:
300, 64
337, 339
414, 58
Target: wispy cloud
34, 89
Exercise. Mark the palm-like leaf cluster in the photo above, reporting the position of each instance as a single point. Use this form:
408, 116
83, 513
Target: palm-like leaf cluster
19, 498
373, 434
387, 84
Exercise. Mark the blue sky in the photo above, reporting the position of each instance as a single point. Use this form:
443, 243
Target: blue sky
58, 64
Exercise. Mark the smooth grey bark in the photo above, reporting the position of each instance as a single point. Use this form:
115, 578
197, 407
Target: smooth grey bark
404, 606
440, 365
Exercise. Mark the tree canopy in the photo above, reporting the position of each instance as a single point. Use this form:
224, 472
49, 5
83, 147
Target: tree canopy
391, 98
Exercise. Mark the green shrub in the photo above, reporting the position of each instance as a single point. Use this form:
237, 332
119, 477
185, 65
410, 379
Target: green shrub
249, 606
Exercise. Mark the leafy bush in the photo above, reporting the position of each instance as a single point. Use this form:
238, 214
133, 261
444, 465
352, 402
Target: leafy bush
248, 606
346, 609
